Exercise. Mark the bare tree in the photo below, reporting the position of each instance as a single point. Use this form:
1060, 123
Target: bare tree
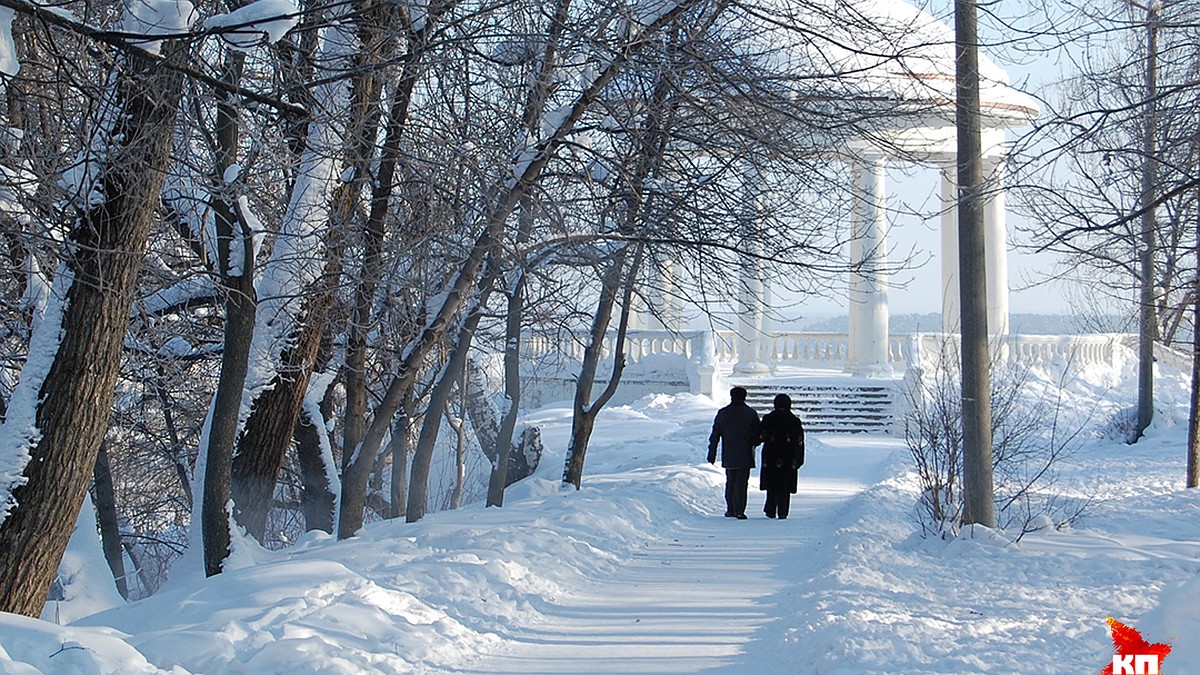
1115, 185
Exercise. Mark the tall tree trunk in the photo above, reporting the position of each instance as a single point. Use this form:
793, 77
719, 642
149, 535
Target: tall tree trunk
72, 403
275, 413
358, 463
235, 262
979, 500
109, 520
362, 133
226, 407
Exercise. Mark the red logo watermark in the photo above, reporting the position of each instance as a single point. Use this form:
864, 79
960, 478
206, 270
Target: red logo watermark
1133, 655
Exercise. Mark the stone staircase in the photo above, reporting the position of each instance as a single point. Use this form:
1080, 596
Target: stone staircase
861, 406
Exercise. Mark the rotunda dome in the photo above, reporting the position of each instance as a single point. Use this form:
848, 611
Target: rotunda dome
884, 51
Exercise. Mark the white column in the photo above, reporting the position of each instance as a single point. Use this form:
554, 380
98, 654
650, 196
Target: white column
868, 299
996, 247
951, 316
751, 296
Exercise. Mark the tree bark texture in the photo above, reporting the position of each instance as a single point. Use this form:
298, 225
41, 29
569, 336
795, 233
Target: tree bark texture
75, 399
318, 499
978, 490
269, 429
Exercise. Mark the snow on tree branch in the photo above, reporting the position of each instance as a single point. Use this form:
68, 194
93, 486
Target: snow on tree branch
261, 22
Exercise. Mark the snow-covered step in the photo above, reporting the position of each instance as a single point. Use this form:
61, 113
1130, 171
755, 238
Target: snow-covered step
853, 407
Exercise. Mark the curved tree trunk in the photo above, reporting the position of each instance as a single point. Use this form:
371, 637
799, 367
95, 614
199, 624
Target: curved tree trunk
74, 400
583, 419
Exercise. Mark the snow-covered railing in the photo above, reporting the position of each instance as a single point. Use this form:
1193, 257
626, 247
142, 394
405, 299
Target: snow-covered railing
796, 348
697, 356
1031, 350
639, 345
1164, 354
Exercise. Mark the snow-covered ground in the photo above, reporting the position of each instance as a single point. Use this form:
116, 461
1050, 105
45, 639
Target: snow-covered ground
638, 572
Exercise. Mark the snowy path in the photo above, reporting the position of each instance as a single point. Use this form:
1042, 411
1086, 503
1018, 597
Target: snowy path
698, 601
638, 572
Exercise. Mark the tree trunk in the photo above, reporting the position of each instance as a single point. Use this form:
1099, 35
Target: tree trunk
109, 521
73, 401
234, 239
357, 461
270, 428
226, 407
363, 132
583, 420
979, 501
401, 447
318, 499
418, 491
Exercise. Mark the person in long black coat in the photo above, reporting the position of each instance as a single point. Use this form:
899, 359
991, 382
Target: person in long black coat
782, 456
736, 429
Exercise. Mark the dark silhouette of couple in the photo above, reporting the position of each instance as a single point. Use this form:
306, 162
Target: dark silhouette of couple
738, 431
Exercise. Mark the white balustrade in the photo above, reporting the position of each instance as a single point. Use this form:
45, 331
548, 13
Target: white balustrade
830, 350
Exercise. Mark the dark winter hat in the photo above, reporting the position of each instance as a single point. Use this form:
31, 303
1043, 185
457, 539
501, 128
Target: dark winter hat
737, 394
783, 402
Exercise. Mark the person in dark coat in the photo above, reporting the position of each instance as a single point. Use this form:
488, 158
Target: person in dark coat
782, 456
736, 429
